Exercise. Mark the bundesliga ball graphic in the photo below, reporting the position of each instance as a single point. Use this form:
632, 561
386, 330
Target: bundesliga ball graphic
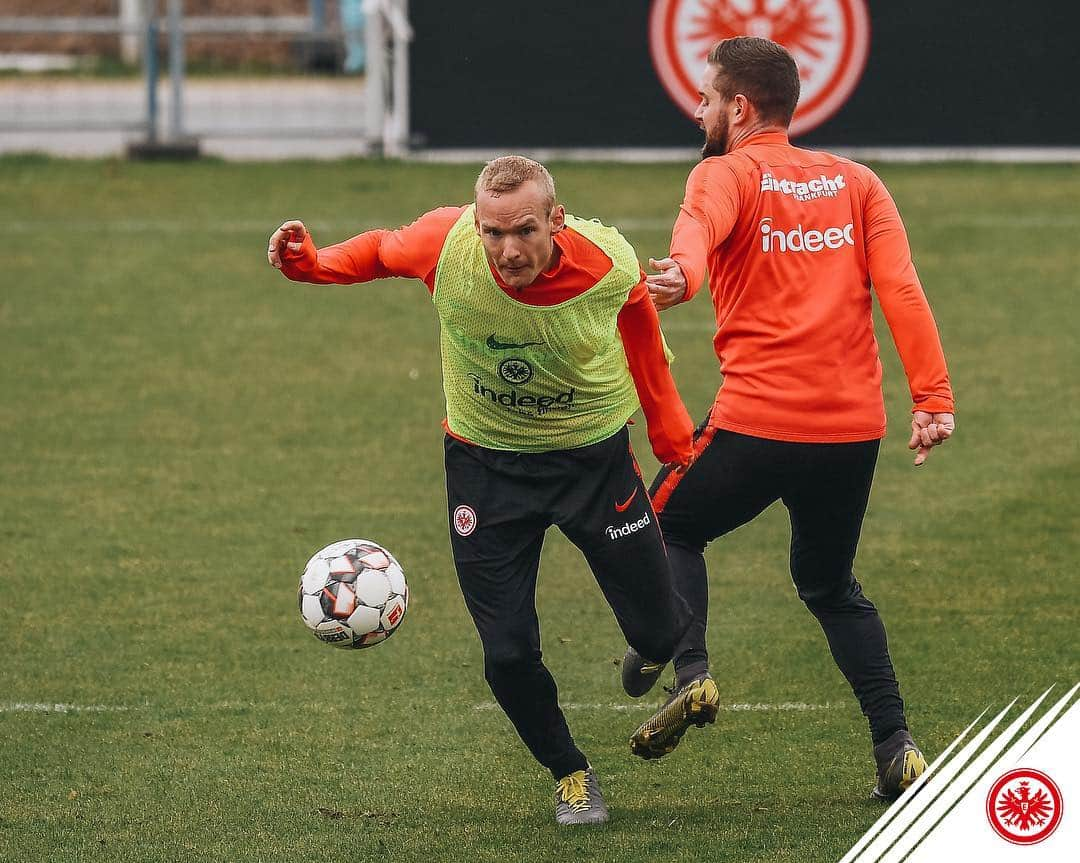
353, 594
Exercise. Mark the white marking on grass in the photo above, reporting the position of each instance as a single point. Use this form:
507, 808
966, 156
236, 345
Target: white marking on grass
738, 707
184, 226
226, 706
49, 707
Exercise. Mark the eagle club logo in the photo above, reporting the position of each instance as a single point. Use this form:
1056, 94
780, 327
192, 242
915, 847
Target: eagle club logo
464, 520
515, 371
1024, 806
829, 39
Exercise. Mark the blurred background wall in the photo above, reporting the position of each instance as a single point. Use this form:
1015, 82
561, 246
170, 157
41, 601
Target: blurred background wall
568, 73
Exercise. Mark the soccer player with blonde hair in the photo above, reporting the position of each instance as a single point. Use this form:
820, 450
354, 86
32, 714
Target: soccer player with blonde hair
549, 343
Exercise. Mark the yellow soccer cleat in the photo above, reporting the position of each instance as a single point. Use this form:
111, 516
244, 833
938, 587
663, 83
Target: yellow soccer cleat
695, 703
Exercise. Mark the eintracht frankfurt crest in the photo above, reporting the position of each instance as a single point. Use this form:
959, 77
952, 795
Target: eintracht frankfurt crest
1024, 806
829, 39
464, 520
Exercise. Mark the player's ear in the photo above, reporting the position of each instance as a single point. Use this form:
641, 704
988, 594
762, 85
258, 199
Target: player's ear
741, 109
558, 218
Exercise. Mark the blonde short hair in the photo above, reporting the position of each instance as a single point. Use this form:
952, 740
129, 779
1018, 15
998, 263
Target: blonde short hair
508, 173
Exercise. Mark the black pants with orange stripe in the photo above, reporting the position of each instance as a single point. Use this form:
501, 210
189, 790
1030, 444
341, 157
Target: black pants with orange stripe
825, 488
501, 505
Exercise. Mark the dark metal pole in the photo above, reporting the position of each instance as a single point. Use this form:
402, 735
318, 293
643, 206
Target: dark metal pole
150, 58
176, 69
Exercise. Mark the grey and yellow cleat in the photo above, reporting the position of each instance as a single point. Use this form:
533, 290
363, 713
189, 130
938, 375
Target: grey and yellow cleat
899, 764
578, 799
695, 703
639, 675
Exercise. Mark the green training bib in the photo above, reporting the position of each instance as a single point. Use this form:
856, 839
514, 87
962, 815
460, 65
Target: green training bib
532, 378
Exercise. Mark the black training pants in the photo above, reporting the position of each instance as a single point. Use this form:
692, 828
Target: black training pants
500, 505
825, 487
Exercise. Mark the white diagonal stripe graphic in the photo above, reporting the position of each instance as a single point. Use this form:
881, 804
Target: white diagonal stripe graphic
920, 803
947, 799
894, 810
896, 834
1032, 735
966, 832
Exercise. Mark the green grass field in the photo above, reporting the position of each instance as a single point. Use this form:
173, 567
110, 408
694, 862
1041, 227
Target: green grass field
181, 428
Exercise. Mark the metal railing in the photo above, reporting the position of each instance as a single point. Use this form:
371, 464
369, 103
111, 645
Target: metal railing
373, 109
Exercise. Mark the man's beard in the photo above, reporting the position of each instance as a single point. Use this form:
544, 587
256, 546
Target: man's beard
716, 139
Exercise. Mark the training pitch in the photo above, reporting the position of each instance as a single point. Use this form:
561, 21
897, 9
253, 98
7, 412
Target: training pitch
181, 428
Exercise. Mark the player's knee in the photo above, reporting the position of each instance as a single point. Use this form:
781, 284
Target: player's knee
681, 536
841, 596
508, 656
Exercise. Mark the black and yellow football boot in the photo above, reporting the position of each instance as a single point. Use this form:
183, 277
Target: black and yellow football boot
899, 764
694, 703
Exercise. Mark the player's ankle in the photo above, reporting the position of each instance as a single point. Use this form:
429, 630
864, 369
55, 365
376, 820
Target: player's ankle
687, 671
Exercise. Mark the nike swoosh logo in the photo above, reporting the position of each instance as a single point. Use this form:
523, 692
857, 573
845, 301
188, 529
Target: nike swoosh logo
622, 507
650, 669
496, 345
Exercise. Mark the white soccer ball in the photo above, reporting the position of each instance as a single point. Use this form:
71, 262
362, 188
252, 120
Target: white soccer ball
353, 594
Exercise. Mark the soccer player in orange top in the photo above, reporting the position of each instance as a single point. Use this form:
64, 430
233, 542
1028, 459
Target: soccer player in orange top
549, 340
793, 242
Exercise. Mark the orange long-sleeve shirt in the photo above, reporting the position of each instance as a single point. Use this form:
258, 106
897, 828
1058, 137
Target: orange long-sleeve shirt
413, 252
793, 240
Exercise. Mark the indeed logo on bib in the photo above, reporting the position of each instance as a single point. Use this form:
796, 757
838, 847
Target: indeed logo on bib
798, 240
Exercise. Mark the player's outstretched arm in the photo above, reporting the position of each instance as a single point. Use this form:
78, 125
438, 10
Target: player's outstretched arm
705, 219
668, 424
410, 252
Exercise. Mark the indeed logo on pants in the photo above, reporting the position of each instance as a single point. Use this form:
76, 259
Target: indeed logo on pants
628, 528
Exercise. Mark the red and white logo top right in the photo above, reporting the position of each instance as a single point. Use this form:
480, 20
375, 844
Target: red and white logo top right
828, 38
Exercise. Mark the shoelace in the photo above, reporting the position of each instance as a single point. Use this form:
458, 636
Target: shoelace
573, 792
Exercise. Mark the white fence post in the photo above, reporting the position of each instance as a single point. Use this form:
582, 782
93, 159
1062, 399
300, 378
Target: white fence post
388, 34
374, 71
129, 25
176, 69
397, 143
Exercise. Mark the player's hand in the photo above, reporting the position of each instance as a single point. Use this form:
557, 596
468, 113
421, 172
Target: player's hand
680, 466
668, 287
928, 431
289, 237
